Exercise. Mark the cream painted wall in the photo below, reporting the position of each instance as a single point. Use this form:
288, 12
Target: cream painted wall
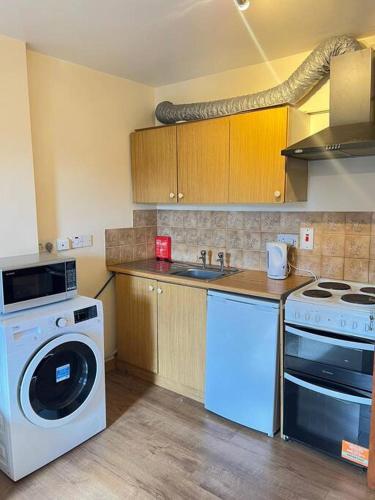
81, 120
333, 185
17, 191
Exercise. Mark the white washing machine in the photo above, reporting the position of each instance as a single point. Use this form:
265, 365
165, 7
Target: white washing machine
51, 382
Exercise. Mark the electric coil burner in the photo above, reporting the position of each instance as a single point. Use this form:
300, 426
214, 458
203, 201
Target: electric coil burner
317, 294
368, 289
334, 285
359, 298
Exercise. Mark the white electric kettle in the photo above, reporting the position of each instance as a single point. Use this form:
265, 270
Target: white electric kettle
277, 260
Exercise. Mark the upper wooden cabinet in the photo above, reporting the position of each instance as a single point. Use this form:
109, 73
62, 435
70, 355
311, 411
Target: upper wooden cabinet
203, 159
154, 165
235, 159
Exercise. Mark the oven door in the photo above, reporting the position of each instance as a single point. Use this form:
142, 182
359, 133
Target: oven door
331, 419
33, 286
330, 357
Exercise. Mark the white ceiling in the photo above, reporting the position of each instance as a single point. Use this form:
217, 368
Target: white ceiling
164, 41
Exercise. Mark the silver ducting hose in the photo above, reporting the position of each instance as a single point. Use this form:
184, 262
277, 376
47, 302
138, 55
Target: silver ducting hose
314, 68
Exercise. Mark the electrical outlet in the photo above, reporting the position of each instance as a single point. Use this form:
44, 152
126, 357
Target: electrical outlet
62, 244
76, 241
289, 239
86, 240
307, 238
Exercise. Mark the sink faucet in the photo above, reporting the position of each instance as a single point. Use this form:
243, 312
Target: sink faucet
203, 258
221, 260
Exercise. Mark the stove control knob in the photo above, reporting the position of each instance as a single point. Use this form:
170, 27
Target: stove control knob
354, 325
61, 322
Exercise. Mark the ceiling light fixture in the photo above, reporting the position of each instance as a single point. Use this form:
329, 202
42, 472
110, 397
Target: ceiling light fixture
243, 4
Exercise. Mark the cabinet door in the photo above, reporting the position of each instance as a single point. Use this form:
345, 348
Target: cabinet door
136, 314
182, 330
257, 168
203, 161
154, 165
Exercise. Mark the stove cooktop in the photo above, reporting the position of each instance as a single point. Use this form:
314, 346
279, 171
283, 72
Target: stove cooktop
335, 306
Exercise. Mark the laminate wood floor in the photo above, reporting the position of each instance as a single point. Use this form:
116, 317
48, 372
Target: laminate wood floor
161, 445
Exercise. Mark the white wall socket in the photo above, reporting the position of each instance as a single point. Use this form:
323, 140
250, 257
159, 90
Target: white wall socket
82, 240
289, 239
307, 238
62, 244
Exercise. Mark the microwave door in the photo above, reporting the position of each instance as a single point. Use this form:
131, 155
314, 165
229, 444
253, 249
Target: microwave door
33, 286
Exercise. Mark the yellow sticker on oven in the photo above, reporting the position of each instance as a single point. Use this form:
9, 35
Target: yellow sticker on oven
354, 453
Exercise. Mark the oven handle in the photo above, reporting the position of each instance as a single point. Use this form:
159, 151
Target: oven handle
328, 392
329, 340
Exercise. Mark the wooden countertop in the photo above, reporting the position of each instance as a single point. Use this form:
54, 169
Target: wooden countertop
254, 283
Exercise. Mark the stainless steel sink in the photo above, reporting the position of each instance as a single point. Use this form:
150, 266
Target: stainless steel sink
205, 274
200, 274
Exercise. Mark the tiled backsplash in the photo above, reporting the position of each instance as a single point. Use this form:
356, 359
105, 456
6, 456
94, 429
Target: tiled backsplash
344, 243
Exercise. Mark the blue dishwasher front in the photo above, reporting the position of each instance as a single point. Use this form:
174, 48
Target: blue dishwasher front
242, 376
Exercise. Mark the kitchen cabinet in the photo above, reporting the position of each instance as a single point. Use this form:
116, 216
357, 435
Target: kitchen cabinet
181, 335
203, 161
161, 332
235, 159
136, 316
154, 165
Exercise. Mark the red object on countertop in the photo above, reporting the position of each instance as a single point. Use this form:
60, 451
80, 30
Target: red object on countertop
163, 247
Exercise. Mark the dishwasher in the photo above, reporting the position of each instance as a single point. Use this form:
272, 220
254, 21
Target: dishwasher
242, 362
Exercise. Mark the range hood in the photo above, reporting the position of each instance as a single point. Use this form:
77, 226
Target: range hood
352, 130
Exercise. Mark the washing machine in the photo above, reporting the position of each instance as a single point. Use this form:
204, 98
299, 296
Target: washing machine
52, 382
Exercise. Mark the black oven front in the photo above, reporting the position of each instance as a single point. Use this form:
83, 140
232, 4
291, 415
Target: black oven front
327, 392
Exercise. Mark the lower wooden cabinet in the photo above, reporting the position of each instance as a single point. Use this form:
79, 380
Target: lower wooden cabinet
136, 306
161, 332
181, 335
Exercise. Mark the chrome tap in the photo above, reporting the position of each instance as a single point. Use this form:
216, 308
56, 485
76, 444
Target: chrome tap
203, 258
221, 260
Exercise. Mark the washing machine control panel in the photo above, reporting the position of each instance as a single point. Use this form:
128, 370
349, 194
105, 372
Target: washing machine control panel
61, 322
85, 314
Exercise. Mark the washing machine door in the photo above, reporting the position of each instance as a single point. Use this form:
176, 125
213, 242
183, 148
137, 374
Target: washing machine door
60, 380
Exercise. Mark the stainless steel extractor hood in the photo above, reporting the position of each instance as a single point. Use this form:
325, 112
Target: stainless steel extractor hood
352, 130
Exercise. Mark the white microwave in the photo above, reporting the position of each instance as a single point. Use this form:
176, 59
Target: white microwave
33, 280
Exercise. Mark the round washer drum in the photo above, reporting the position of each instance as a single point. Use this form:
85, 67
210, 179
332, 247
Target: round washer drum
60, 380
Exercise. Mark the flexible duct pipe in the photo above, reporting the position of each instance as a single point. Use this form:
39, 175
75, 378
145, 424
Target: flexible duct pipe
315, 67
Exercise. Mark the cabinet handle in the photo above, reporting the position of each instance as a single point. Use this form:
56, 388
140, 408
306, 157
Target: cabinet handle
277, 194
151, 288
171, 195
159, 290
180, 196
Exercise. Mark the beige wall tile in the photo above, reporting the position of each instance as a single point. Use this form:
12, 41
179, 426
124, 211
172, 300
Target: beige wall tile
251, 221
308, 263
126, 236
164, 217
372, 247
356, 270
178, 235
357, 246
251, 240
235, 239
190, 218
263, 261
127, 254
371, 276
143, 218
235, 220
270, 221
139, 235
290, 221
358, 223
179, 251
333, 245
219, 238
219, 219
150, 234
334, 222
140, 252
332, 267
113, 255
164, 231
251, 260
234, 257
177, 218
204, 219
191, 236
205, 237
150, 251
111, 237
373, 224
